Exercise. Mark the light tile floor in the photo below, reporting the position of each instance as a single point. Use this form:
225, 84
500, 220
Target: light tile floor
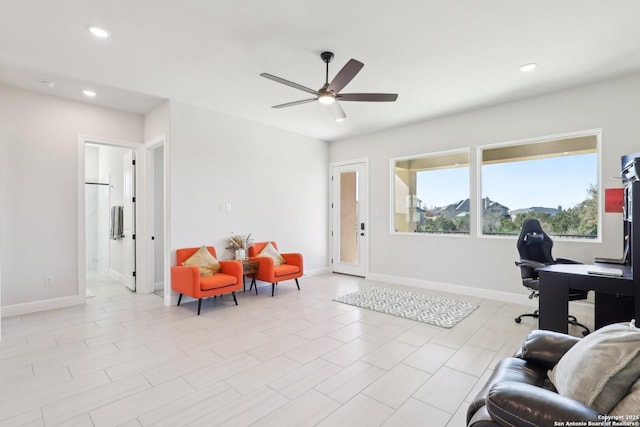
297, 359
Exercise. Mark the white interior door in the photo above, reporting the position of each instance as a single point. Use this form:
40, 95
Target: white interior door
129, 223
349, 222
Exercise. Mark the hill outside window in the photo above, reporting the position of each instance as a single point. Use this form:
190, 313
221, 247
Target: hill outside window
431, 193
554, 180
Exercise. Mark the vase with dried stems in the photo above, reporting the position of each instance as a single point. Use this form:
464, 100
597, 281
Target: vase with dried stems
239, 244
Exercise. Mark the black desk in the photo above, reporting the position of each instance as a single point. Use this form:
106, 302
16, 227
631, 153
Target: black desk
611, 305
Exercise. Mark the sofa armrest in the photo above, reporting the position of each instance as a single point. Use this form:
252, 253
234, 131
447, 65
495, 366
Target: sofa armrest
185, 279
516, 404
509, 369
545, 348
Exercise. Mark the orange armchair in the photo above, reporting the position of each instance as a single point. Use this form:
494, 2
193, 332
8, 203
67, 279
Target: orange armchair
292, 268
186, 279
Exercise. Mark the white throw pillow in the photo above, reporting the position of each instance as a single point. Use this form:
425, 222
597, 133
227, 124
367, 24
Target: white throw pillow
600, 369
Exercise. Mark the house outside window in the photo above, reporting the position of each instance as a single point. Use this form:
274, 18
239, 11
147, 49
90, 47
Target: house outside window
431, 193
554, 180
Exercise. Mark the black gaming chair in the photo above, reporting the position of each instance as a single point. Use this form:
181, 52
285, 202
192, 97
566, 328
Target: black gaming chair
534, 246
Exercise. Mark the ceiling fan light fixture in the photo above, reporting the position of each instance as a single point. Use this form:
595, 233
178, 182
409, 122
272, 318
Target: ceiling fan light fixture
326, 99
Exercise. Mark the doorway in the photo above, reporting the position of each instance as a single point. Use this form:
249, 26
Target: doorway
109, 217
349, 218
157, 264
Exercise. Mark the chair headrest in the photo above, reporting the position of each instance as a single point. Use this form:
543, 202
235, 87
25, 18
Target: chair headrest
533, 239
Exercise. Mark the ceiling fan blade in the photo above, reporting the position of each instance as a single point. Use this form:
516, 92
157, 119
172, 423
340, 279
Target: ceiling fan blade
288, 83
337, 111
368, 97
291, 104
345, 75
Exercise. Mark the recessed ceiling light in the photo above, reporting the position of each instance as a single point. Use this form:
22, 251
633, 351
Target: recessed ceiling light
528, 67
89, 93
101, 33
48, 83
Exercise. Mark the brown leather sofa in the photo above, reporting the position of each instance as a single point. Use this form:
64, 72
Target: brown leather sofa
520, 392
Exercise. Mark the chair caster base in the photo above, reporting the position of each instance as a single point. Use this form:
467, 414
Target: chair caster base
574, 322
535, 315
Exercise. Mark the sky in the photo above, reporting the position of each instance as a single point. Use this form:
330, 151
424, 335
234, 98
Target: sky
560, 181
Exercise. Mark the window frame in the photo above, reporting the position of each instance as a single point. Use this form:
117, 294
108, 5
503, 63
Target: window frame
392, 186
597, 133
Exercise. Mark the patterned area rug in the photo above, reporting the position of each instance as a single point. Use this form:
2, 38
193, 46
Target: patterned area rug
442, 312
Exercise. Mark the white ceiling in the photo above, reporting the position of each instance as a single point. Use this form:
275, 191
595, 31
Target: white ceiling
440, 56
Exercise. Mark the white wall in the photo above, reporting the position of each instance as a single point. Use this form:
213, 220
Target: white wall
39, 143
276, 183
472, 262
157, 122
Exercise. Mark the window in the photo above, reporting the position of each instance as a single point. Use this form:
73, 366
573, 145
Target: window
431, 193
555, 181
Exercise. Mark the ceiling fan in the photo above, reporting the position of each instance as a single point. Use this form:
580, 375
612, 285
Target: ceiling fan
329, 93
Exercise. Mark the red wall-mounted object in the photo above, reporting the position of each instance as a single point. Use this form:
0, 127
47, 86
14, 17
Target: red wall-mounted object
613, 199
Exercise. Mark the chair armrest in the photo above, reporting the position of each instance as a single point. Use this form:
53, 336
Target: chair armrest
185, 279
232, 268
567, 261
529, 263
293, 259
545, 348
517, 404
265, 268
263, 261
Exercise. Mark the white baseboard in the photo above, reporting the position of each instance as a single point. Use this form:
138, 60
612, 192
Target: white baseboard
43, 305
583, 307
317, 271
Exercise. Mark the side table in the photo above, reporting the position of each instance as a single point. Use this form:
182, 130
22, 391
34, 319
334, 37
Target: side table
249, 268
